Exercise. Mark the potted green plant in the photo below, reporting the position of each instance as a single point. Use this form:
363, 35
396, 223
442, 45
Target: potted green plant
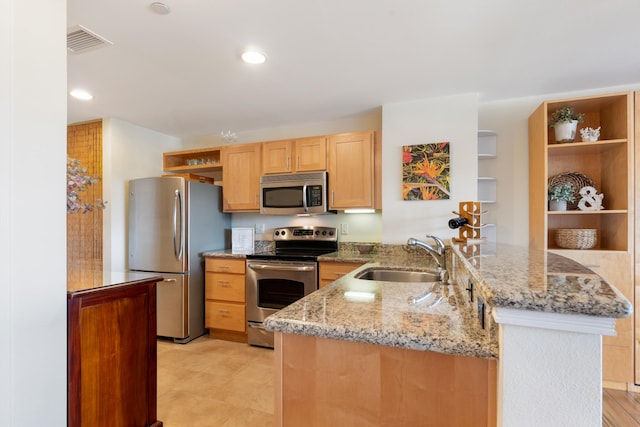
559, 195
565, 123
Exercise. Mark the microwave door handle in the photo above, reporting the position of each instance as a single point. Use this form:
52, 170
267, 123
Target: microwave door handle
304, 198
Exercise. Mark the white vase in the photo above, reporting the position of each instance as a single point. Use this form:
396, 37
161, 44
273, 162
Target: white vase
565, 131
557, 205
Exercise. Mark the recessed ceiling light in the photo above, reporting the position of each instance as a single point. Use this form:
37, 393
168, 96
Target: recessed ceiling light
81, 94
160, 8
253, 57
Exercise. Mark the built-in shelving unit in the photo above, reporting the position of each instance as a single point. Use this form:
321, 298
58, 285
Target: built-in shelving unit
608, 163
201, 161
487, 185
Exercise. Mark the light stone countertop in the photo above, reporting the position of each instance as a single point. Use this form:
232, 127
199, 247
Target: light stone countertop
505, 276
378, 312
519, 278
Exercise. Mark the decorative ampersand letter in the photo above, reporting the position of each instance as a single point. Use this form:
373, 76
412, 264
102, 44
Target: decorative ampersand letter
591, 201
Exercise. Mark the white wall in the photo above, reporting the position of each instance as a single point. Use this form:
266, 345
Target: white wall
509, 119
33, 321
453, 119
129, 152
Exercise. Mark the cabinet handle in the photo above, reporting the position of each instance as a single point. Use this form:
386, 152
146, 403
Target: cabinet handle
223, 267
224, 283
333, 197
337, 274
223, 311
288, 163
297, 162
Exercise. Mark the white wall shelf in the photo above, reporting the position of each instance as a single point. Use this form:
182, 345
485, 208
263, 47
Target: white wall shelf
487, 185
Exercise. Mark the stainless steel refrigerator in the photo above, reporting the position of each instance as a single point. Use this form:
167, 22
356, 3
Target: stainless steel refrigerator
172, 221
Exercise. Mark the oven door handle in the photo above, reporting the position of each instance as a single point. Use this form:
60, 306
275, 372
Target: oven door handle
280, 267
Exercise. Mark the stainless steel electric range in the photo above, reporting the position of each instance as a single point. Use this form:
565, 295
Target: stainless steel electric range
279, 277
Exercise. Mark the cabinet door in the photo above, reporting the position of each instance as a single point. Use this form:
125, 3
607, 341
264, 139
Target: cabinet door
311, 154
277, 157
241, 178
351, 170
112, 356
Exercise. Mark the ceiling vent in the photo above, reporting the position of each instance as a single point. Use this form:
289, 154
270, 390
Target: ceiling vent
80, 39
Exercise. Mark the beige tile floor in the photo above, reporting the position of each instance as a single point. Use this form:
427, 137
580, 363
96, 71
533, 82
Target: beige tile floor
214, 383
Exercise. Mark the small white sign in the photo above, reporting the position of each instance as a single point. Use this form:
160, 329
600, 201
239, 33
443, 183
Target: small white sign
242, 240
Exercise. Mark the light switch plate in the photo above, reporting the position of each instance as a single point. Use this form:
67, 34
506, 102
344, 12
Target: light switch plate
344, 229
259, 228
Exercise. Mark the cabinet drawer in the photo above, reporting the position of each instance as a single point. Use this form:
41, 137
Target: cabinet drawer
225, 265
222, 286
335, 270
228, 316
330, 271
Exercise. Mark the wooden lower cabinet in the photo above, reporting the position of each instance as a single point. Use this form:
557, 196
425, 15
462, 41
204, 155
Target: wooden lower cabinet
326, 382
617, 351
225, 303
331, 271
112, 376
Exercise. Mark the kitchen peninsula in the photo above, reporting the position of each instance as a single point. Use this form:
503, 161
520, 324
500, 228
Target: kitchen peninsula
111, 348
358, 351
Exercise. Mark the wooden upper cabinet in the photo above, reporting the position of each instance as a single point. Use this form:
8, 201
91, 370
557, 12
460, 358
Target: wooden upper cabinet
241, 178
352, 170
296, 155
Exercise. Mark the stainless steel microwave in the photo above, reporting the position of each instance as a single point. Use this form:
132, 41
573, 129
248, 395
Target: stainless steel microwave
294, 194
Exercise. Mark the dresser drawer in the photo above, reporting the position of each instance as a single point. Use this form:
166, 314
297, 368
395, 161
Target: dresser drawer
228, 316
225, 265
222, 286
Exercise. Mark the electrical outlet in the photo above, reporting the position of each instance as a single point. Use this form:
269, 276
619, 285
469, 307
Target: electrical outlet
344, 229
259, 228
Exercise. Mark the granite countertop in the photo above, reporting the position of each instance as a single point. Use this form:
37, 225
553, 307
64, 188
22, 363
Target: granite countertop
379, 312
506, 276
517, 277
223, 253
82, 280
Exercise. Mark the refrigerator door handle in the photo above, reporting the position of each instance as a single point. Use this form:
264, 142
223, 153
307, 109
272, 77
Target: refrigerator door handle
177, 211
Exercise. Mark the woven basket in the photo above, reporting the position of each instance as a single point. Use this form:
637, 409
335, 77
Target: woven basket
577, 179
576, 238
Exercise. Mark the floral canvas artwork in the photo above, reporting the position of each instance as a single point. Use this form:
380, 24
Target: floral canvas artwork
425, 171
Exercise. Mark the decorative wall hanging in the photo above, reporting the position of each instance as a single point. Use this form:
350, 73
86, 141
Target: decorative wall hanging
425, 171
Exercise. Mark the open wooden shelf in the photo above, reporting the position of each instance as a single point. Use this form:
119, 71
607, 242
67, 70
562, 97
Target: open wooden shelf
193, 161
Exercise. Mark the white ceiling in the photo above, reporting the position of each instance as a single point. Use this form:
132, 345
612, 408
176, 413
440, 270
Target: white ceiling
180, 74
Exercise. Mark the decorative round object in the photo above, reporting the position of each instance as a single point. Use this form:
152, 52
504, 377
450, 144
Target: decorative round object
576, 238
577, 179
365, 249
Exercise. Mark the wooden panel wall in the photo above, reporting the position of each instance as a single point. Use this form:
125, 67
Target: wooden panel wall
84, 231
325, 382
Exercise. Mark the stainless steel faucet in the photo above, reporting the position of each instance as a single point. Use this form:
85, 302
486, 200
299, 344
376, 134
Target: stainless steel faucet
436, 252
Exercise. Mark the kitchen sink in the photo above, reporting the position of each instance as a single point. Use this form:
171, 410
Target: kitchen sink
386, 275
